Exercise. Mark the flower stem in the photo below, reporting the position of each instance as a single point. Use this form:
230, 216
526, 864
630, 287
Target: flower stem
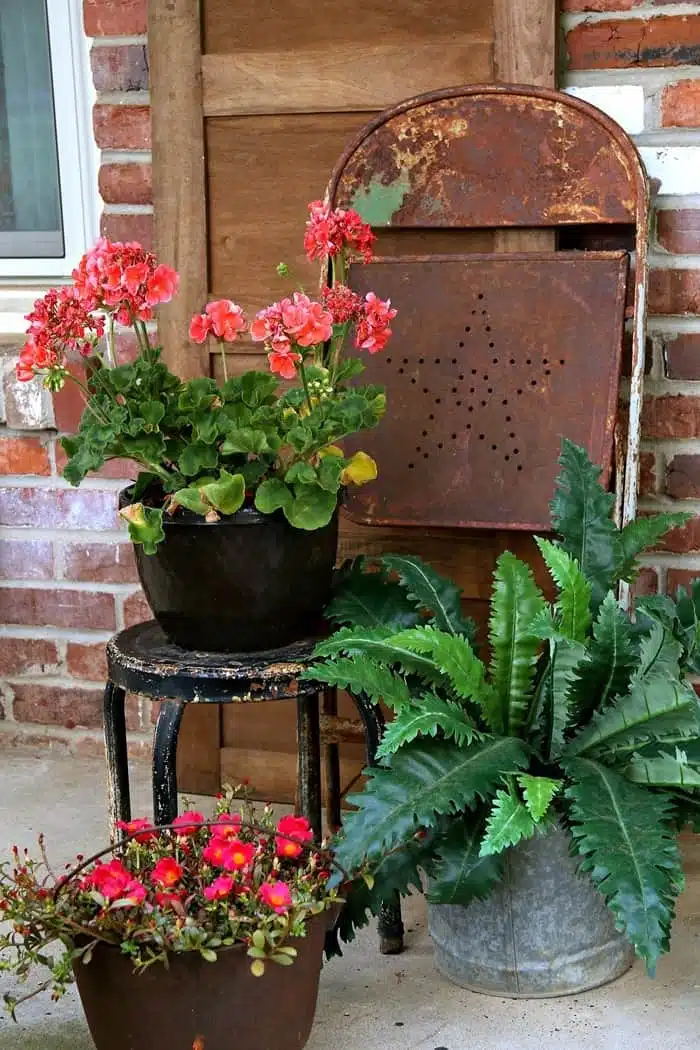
111, 354
304, 383
222, 348
88, 399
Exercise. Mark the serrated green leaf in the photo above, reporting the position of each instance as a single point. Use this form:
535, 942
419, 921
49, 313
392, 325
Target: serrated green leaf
664, 770
461, 875
538, 793
612, 657
362, 675
427, 716
377, 643
641, 533
623, 834
573, 604
655, 702
515, 601
566, 657
365, 599
433, 593
227, 494
582, 515
430, 778
451, 653
508, 822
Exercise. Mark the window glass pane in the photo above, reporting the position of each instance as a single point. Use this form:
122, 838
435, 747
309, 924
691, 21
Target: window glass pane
30, 198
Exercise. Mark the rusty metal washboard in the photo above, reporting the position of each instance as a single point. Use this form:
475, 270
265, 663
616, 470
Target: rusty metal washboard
497, 354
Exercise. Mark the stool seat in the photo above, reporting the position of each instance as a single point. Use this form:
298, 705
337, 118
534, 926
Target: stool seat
142, 660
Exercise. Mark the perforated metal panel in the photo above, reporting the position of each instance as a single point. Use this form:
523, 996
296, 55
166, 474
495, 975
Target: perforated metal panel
492, 361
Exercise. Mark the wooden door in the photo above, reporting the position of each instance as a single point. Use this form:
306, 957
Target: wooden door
253, 102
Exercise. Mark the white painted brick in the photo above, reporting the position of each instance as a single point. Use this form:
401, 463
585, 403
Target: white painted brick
28, 406
623, 102
676, 167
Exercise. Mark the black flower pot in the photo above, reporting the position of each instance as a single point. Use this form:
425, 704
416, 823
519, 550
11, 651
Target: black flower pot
244, 583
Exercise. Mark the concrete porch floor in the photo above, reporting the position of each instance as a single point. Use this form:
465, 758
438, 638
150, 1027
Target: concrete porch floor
368, 1001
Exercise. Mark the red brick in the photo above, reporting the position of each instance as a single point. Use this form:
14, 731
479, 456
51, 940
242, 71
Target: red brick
646, 583
671, 416
100, 562
136, 609
68, 403
674, 291
683, 540
683, 477
53, 705
26, 559
634, 42
120, 67
139, 749
682, 355
647, 474
114, 469
136, 227
676, 578
59, 508
627, 354
126, 183
87, 661
679, 231
122, 126
27, 655
115, 17
132, 712
680, 105
57, 608
23, 455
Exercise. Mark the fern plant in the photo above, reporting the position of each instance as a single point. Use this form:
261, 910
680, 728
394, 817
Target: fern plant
582, 715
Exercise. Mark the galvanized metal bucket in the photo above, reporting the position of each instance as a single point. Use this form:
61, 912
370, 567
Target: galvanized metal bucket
545, 931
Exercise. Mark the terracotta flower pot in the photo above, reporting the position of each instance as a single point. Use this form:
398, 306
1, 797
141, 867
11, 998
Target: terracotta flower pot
247, 582
220, 1004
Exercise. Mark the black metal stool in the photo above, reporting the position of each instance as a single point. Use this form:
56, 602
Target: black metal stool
141, 660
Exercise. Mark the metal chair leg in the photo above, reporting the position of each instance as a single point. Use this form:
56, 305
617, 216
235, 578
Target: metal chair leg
390, 926
309, 762
165, 761
119, 801
333, 790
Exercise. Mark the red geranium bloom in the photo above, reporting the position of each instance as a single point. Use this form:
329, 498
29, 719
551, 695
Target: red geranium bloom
219, 889
188, 823
328, 232
200, 328
373, 331
276, 895
343, 304
226, 318
283, 363
167, 872
162, 285
299, 828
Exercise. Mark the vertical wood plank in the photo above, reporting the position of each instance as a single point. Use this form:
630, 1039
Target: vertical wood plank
180, 231
525, 53
525, 41
199, 750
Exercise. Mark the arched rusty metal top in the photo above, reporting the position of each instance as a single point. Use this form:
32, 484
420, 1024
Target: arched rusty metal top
492, 156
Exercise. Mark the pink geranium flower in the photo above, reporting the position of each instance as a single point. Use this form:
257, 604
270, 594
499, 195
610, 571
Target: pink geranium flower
283, 363
226, 318
329, 232
200, 328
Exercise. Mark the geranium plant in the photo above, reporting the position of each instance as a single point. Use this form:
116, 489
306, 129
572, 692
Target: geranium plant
196, 886
204, 448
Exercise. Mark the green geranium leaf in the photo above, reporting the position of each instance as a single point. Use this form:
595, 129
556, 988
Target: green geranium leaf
152, 412
311, 508
145, 525
257, 387
206, 428
245, 439
300, 437
349, 369
196, 458
272, 495
227, 494
190, 497
329, 470
301, 473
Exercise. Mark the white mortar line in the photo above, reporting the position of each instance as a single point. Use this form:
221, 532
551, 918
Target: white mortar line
635, 76
86, 586
37, 481
660, 259
130, 209
670, 447
123, 98
82, 635
690, 202
673, 324
643, 13
124, 156
79, 536
668, 138
118, 41
692, 506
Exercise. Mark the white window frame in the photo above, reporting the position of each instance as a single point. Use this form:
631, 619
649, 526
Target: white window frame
74, 95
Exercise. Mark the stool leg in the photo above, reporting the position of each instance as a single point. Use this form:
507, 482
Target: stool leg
390, 926
309, 762
119, 801
333, 800
164, 761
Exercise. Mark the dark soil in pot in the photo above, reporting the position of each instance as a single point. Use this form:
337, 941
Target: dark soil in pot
220, 1003
247, 582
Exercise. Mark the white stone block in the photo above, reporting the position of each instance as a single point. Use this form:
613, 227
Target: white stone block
676, 167
623, 102
28, 406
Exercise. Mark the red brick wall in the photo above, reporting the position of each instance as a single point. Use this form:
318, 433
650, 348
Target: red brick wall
67, 578
67, 573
